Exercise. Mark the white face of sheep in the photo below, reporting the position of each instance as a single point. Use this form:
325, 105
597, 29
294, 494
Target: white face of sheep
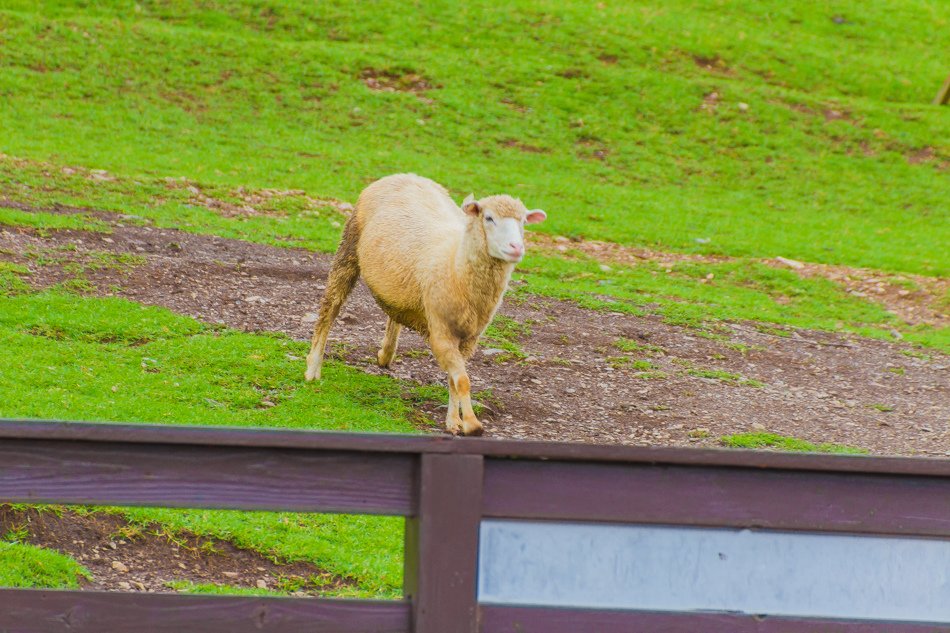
504, 235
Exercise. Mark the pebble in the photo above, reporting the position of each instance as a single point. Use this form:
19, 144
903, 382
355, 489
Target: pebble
119, 566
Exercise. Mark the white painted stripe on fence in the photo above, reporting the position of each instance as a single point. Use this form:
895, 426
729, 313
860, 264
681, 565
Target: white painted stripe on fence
661, 568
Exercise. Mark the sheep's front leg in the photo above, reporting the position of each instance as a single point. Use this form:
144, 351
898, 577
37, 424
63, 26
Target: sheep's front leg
446, 351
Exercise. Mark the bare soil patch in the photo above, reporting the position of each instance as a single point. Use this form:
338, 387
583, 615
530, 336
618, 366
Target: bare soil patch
125, 557
574, 382
713, 63
710, 101
592, 149
524, 147
395, 81
242, 202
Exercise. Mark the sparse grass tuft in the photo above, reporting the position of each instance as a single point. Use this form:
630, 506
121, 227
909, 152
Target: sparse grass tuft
631, 346
724, 376
784, 443
11, 279
504, 333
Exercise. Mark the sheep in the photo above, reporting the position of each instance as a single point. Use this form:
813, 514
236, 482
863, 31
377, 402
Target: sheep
433, 267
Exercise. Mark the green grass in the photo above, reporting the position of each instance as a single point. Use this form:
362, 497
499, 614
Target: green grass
366, 550
504, 333
635, 347
217, 590
284, 587
739, 290
621, 362
43, 221
109, 359
28, 566
277, 218
784, 443
11, 279
604, 117
725, 376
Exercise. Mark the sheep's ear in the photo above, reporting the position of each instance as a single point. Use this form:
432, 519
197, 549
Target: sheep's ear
470, 205
535, 215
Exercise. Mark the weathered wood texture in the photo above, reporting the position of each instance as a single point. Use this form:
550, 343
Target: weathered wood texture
384, 443
774, 499
533, 620
442, 545
125, 473
35, 611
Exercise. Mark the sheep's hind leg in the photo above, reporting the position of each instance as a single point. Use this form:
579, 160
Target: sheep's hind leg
343, 275
450, 359
387, 349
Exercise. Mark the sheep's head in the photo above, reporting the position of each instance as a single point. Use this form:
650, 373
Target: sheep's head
502, 219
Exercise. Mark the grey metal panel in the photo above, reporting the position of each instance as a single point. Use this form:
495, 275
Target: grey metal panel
661, 568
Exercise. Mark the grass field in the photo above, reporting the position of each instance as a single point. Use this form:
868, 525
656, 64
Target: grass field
23, 565
745, 131
819, 144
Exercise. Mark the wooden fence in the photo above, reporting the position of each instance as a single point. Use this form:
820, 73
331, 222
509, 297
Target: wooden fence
454, 492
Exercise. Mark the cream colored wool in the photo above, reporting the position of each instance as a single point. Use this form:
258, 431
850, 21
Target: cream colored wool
436, 268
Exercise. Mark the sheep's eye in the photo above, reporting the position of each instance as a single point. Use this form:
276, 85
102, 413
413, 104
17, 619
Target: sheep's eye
489, 219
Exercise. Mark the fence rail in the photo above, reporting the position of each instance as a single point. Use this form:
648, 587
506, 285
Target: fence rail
449, 489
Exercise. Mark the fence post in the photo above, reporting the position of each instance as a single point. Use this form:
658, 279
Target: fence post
441, 555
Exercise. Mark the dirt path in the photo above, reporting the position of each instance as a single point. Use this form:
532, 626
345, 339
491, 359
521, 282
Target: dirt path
573, 385
124, 557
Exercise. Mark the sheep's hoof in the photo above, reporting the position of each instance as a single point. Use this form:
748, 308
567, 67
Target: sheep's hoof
472, 428
475, 432
382, 360
311, 375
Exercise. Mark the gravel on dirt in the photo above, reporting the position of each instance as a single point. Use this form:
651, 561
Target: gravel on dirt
125, 557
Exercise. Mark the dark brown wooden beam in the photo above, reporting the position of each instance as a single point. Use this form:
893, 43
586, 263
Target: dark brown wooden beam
36, 611
205, 476
704, 496
442, 545
496, 619
444, 444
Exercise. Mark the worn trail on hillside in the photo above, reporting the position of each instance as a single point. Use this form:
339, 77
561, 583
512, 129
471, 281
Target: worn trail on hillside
574, 383
126, 557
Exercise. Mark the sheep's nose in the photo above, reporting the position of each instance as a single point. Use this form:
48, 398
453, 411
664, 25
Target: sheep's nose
516, 249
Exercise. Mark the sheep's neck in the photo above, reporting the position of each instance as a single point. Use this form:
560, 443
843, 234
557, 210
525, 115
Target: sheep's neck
484, 276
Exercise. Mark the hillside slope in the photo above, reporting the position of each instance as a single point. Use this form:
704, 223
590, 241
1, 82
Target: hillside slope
758, 129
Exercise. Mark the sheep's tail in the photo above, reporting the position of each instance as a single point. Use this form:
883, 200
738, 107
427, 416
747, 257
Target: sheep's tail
343, 275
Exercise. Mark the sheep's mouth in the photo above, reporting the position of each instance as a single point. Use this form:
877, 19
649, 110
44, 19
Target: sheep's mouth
512, 258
